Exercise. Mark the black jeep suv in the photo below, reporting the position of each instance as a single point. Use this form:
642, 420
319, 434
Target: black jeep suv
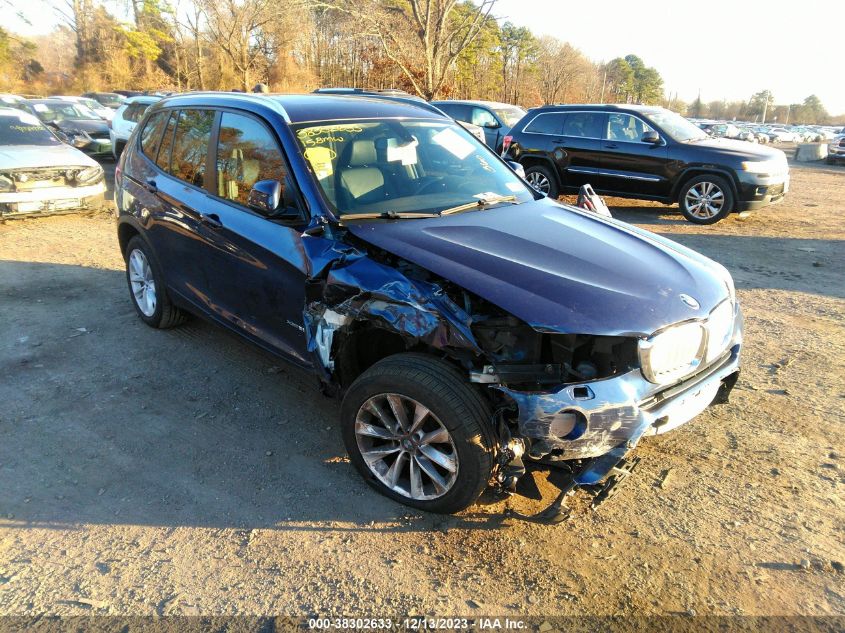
645, 152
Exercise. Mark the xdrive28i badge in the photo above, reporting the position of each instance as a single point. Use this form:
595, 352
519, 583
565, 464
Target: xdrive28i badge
690, 301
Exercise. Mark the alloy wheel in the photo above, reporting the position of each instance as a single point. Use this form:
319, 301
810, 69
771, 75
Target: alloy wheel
406, 447
538, 181
142, 282
705, 200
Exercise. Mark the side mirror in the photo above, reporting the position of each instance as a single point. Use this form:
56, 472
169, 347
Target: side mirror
265, 196
651, 137
517, 168
492, 125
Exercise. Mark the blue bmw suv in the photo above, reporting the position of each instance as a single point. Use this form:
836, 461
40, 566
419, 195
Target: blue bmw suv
467, 321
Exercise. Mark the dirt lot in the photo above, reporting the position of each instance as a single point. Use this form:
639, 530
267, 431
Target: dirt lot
150, 472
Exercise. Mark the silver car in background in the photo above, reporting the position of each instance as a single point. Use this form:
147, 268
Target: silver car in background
39, 174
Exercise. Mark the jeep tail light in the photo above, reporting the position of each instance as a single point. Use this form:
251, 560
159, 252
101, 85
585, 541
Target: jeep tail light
506, 143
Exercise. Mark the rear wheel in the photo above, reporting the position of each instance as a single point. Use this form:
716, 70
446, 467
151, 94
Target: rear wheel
146, 287
706, 199
419, 433
542, 179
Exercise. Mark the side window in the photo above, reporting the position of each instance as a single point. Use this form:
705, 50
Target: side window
163, 158
547, 123
190, 145
457, 111
624, 127
151, 134
135, 112
482, 117
584, 124
246, 153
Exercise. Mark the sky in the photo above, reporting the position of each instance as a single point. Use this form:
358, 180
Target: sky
727, 49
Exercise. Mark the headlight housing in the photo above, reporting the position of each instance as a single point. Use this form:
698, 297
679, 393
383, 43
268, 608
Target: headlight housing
674, 353
680, 350
89, 175
6, 183
765, 167
720, 327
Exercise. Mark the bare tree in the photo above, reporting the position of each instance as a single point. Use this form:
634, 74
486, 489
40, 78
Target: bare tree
422, 37
234, 26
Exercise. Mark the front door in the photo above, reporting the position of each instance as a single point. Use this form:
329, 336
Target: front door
629, 166
258, 279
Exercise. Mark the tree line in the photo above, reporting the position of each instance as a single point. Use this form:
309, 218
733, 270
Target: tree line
434, 48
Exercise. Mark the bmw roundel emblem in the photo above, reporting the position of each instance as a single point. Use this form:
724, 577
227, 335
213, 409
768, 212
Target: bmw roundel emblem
690, 301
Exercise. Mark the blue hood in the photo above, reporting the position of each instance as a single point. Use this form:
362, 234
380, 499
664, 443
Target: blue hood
559, 269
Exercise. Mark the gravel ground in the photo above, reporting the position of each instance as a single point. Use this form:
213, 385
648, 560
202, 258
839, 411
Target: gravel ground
184, 472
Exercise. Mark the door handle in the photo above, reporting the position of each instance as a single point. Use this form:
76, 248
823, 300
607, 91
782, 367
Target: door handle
212, 220
612, 146
150, 185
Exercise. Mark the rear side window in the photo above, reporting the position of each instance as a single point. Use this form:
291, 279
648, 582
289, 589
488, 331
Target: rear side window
190, 145
135, 112
246, 153
547, 123
151, 134
163, 158
457, 111
584, 124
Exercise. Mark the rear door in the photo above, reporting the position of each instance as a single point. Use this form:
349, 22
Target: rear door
177, 186
577, 150
257, 272
626, 164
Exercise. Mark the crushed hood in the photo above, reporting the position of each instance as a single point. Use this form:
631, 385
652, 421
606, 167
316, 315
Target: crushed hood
558, 269
34, 156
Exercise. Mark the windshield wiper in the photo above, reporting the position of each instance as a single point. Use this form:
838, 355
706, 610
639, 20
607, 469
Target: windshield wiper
479, 204
387, 215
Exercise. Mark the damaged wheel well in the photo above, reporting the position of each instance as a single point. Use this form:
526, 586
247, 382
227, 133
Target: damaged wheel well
361, 348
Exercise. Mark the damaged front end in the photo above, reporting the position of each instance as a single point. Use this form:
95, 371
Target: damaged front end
558, 397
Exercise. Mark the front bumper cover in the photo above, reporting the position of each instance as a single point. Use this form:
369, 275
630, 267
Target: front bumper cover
620, 410
47, 200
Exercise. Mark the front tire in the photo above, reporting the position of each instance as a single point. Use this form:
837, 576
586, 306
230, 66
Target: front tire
706, 199
419, 433
543, 180
147, 289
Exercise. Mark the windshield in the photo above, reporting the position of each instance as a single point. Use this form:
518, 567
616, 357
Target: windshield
21, 128
110, 100
510, 116
404, 166
64, 110
676, 126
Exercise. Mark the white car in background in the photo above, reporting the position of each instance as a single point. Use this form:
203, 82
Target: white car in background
39, 174
95, 106
126, 117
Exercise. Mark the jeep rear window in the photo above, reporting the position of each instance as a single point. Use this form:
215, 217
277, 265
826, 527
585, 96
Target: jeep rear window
546, 123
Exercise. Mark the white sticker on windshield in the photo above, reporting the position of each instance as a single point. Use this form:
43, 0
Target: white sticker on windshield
406, 153
454, 144
28, 119
39, 107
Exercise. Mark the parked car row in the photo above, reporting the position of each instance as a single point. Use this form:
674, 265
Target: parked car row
767, 133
